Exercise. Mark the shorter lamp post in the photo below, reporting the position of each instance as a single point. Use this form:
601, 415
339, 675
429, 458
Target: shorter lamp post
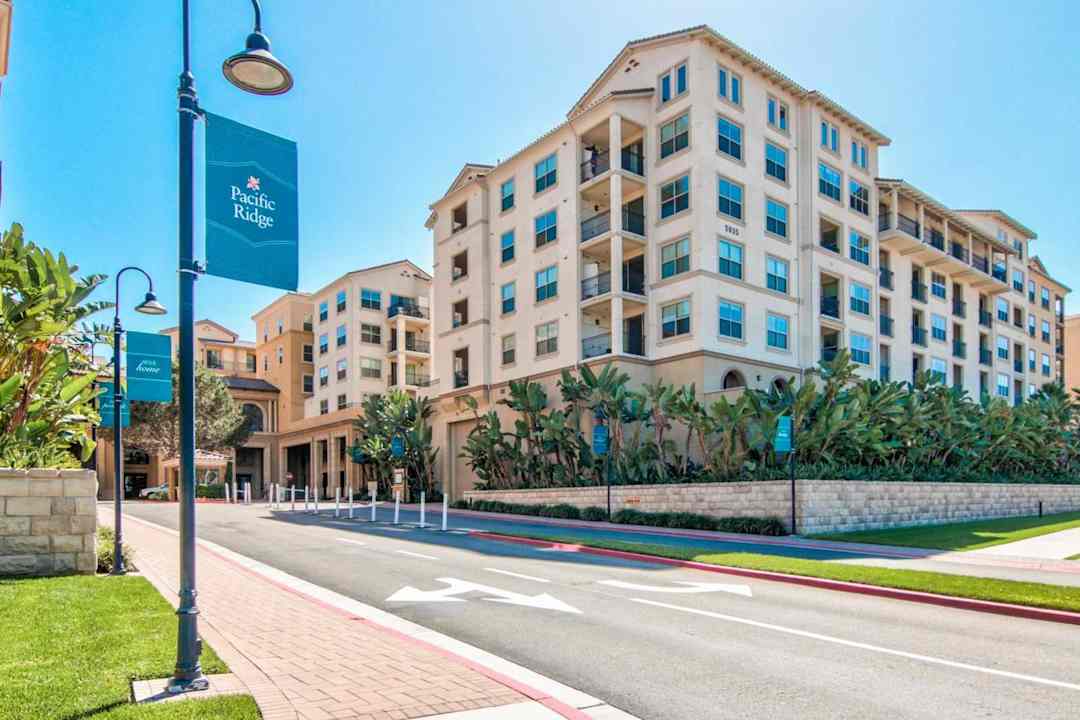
149, 306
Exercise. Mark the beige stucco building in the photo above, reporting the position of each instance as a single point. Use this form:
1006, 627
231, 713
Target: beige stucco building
701, 217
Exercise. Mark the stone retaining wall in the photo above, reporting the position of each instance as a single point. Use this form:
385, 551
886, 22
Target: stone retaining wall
48, 522
822, 505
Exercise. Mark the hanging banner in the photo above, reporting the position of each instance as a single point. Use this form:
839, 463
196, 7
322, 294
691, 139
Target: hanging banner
149, 367
107, 410
782, 444
252, 218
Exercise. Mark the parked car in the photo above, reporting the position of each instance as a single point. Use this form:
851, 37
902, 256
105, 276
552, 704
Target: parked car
157, 492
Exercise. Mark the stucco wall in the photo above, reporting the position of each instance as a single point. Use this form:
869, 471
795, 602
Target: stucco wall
822, 505
48, 522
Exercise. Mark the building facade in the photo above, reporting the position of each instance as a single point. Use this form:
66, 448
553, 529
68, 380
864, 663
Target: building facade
700, 217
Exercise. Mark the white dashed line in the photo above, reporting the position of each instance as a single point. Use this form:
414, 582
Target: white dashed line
416, 555
517, 575
352, 542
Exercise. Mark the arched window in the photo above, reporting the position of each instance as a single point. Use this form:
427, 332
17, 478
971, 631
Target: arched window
733, 379
780, 384
254, 415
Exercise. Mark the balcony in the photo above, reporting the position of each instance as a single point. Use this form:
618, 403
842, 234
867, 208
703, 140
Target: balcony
461, 378
985, 318
411, 345
930, 250
634, 345
633, 161
828, 354
980, 263
596, 346
909, 226
937, 240
409, 311
595, 226
830, 307
918, 291
886, 325
1018, 365
959, 308
918, 335
985, 356
885, 278
999, 273
958, 251
633, 222
417, 379
959, 349
884, 373
595, 286
1059, 350
597, 165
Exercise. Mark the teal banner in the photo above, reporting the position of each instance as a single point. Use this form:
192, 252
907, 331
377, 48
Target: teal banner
107, 411
252, 206
783, 434
149, 367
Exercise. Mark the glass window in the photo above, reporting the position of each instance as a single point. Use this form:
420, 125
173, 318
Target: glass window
308, 384
1046, 364
1031, 359
508, 292
729, 138
280, 355
1003, 385
1018, 280
546, 228
776, 331
547, 283
370, 299
675, 135
1046, 330
776, 274
546, 172
506, 246
731, 259
938, 370
324, 343
673, 83
828, 182
680, 79
508, 349
675, 319
371, 334
728, 85
860, 298
1003, 310
830, 136
938, 327
308, 353
342, 298
860, 348
859, 154
547, 338
775, 217
937, 285
778, 113
675, 196
342, 402
507, 192
731, 320
341, 335
342, 369
859, 197
324, 406
324, 376
675, 258
370, 367
1003, 347
1045, 298
729, 198
859, 248
323, 311
776, 161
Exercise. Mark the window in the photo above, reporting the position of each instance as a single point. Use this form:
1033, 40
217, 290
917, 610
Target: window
729, 85
859, 197
371, 334
673, 83
728, 138
675, 196
249, 361
1046, 331
370, 299
546, 227
506, 246
675, 258
776, 162
1031, 359
371, 368
778, 114
508, 349
775, 217
731, 320
675, 135
1031, 291
280, 356
937, 285
459, 265
266, 362
546, 173
776, 274
340, 335
938, 327
342, 402
1018, 281
324, 311
859, 155
280, 327
324, 407
1046, 365
1044, 298
938, 370
460, 313
309, 384
675, 319
859, 248
729, 198
731, 259
547, 338
547, 283
860, 349
507, 192
307, 323
1003, 310
342, 369
828, 182
830, 136
324, 344
1031, 325
342, 299
1003, 347
860, 298
324, 376
776, 335
507, 293
1003, 385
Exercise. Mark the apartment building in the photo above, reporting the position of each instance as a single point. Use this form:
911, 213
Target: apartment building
701, 217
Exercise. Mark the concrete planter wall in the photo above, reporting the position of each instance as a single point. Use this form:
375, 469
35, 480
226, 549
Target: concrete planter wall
48, 522
821, 505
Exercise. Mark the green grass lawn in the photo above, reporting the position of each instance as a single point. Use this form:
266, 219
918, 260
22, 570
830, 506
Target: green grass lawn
965, 535
1073, 557
1007, 591
69, 648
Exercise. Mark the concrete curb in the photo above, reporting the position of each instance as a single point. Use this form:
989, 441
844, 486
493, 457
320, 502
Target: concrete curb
985, 606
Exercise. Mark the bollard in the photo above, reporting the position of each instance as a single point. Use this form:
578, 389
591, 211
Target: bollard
397, 505
316, 511
372, 507
226, 493
270, 497
235, 497
292, 498
305, 500
350, 502
247, 493
422, 523
337, 502
444, 509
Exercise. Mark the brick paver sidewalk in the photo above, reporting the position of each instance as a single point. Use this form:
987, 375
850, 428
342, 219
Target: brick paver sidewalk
302, 659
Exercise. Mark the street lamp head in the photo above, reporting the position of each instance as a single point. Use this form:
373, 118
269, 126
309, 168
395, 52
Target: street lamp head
256, 70
151, 306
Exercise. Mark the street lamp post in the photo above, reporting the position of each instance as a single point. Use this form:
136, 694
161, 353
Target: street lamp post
149, 306
257, 71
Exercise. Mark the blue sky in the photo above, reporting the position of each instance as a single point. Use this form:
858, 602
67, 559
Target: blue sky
980, 98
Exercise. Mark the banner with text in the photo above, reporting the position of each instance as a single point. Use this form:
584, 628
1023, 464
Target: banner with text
107, 410
149, 367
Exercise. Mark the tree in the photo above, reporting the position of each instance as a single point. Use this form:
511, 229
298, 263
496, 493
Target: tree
46, 376
220, 422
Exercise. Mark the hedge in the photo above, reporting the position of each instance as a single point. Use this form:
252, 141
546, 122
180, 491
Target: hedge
214, 491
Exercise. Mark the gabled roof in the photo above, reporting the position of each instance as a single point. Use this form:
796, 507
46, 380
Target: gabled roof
235, 382
469, 172
416, 270
205, 321
1036, 264
1005, 218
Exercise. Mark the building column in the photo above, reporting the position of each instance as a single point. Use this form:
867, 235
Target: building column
894, 210
617, 288
615, 143
267, 475
331, 465
313, 467
400, 357
922, 223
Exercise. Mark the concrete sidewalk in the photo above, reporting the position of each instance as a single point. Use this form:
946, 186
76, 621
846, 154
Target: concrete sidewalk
302, 654
1053, 546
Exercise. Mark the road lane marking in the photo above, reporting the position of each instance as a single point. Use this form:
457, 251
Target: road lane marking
863, 646
464, 587
352, 542
687, 587
517, 575
416, 555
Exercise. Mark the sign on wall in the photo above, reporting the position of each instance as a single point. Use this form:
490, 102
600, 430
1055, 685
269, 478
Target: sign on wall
149, 367
252, 225
107, 410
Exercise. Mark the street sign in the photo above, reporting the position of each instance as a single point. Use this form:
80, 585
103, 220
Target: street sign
783, 434
149, 367
397, 446
252, 225
106, 409
600, 439
399, 481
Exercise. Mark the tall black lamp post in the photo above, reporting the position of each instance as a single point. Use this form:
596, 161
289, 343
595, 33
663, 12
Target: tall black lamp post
257, 71
149, 306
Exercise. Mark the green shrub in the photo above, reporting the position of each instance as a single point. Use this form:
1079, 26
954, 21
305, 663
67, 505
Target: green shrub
594, 513
214, 491
692, 521
105, 539
563, 511
460, 504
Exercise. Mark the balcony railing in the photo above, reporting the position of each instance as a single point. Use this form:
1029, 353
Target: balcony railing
461, 378
415, 311
884, 373
883, 221
634, 282
633, 222
886, 325
911, 227
1059, 350
986, 357
828, 354
918, 291
830, 306
595, 166
598, 285
596, 346
918, 335
421, 346
958, 251
417, 380
634, 345
633, 161
981, 263
595, 226
959, 308
959, 349
1018, 365
937, 239
885, 278
986, 319
999, 274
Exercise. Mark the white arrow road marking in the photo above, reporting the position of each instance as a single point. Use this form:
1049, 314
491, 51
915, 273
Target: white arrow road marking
352, 542
863, 646
462, 587
416, 555
687, 587
517, 575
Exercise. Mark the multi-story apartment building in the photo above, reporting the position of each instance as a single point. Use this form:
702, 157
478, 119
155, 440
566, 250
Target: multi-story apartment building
700, 217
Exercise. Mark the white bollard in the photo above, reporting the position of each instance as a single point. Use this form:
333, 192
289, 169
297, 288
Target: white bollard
422, 523
305, 500
270, 496
226, 493
373, 507
292, 498
350, 502
247, 493
444, 509
316, 502
397, 506
337, 502
235, 497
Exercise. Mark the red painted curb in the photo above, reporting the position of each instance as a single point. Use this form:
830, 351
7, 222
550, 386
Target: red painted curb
985, 606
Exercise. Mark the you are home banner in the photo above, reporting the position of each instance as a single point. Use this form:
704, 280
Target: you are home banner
149, 367
252, 218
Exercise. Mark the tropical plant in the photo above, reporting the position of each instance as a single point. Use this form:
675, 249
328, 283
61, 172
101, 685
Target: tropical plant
397, 414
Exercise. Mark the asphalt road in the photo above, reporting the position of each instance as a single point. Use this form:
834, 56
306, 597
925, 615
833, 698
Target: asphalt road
669, 643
